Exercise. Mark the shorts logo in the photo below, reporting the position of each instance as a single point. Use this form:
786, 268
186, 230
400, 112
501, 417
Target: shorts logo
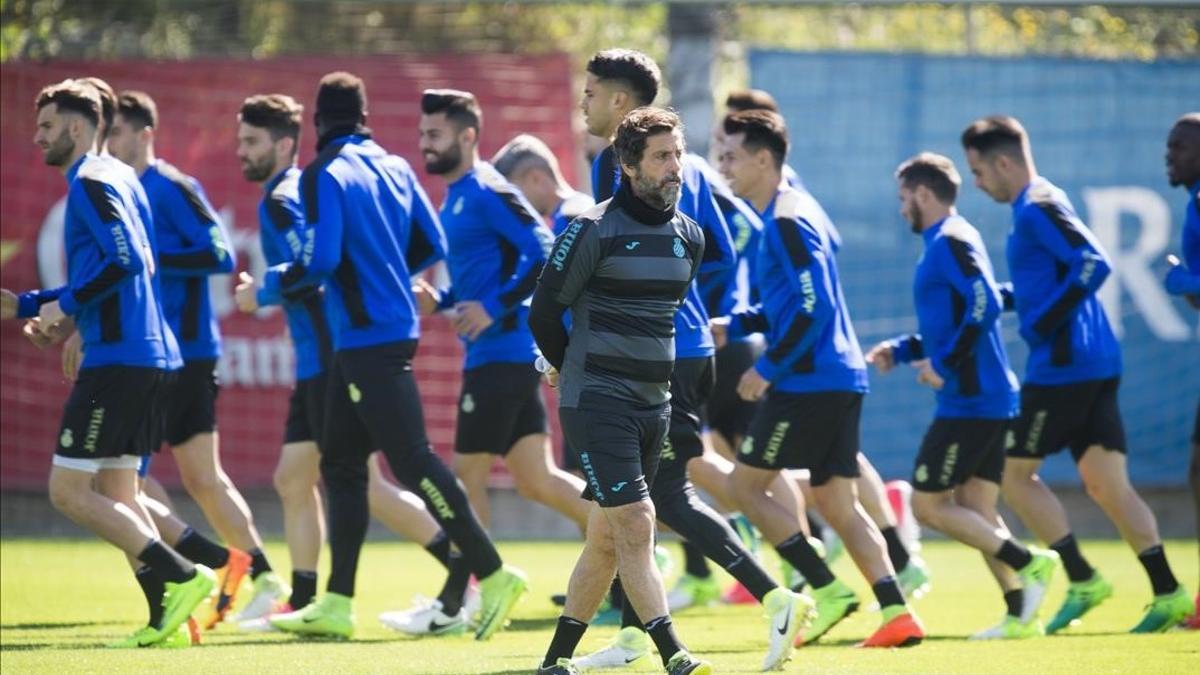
775, 442
668, 451
437, 499
67, 439
1010, 440
355, 394
458, 207
632, 245
921, 474
1035, 432
678, 249
468, 404
948, 464
748, 445
619, 486
585, 462
93, 430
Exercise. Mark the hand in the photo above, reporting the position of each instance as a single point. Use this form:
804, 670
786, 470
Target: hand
927, 375
72, 356
33, 330
426, 295
883, 357
8, 304
471, 319
551, 377
720, 330
50, 315
752, 386
246, 294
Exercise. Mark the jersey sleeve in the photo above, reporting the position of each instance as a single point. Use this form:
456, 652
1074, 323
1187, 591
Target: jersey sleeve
719, 251
321, 201
907, 348
207, 249
99, 206
962, 266
426, 240
30, 303
1061, 233
514, 220
574, 258
282, 232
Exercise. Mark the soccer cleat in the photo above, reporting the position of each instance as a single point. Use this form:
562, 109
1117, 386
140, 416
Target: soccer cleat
186, 635
270, 593
632, 644
263, 624
902, 630
664, 562
739, 595
1035, 580
691, 591
788, 614
229, 580
500, 592
1082, 597
563, 666
1011, 628
751, 539
914, 578
1194, 622
683, 663
426, 619
142, 637
331, 615
180, 599
835, 602
1165, 612
473, 602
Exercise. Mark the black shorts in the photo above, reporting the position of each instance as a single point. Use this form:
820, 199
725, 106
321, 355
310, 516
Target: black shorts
500, 404
691, 384
191, 406
112, 411
618, 450
728, 413
955, 450
817, 431
306, 411
1075, 416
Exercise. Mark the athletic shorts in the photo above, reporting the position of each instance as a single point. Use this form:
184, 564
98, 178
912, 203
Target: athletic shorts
500, 404
955, 450
618, 450
817, 431
691, 384
306, 410
191, 406
729, 414
111, 418
1076, 416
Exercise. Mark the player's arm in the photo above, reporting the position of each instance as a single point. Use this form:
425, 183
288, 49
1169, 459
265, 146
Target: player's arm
573, 259
962, 265
515, 221
120, 258
719, 250
426, 240
1180, 280
283, 234
29, 302
208, 249
322, 250
1008, 301
1066, 238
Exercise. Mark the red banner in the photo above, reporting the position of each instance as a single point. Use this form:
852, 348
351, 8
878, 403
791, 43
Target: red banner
198, 102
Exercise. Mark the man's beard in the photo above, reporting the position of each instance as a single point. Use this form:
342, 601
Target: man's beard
258, 171
662, 195
914, 218
446, 161
60, 150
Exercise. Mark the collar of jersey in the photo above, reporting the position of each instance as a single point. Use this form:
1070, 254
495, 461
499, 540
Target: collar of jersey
640, 210
341, 131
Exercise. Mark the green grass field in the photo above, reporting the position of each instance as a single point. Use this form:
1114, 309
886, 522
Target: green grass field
61, 600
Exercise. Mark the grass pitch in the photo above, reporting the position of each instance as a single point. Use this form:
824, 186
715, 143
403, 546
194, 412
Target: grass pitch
61, 600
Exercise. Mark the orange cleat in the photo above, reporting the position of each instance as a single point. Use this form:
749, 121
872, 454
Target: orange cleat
904, 630
739, 595
193, 630
229, 580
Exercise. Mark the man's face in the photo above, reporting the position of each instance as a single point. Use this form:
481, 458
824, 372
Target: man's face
910, 210
538, 188
988, 176
1183, 155
440, 144
658, 177
738, 165
256, 152
124, 142
53, 135
598, 106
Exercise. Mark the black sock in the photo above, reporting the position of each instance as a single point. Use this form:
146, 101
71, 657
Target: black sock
455, 587
804, 557
567, 635
1077, 568
663, 634
694, 562
304, 587
887, 592
1013, 554
166, 563
258, 563
751, 574
897, 553
628, 616
200, 549
439, 548
1154, 559
152, 588
616, 594
1015, 602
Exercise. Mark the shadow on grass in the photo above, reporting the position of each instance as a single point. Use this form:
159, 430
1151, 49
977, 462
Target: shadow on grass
40, 646
50, 625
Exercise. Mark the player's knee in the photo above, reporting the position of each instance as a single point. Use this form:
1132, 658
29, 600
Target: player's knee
1103, 489
201, 484
927, 508
291, 485
633, 523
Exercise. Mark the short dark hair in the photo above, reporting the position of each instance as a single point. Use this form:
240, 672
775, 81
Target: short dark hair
138, 109
1191, 119
279, 114
934, 171
460, 107
341, 98
639, 125
751, 99
71, 96
632, 68
996, 133
523, 153
108, 100
764, 129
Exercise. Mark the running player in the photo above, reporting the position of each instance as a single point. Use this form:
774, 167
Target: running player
528, 163
1069, 397
960, 354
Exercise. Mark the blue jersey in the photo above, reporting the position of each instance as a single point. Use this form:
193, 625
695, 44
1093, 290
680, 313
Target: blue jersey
811, 345
111, 283
369, 228
730, 290
958, 309
1185, 279
281, 230
497, 247
1057, 266
192, 245
568, 210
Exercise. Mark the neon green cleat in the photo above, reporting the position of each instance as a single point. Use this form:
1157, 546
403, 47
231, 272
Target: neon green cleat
683, 663
501, 590
142, 637
835, 602
1011, 628
914, 578
1035, 581
1082, 597
331, 615
692, 591
180, 599
1165, 612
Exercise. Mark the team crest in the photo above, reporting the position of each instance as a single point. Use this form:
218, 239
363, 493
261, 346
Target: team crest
355, 394
748, 444
678, 248
922, 474
458, 207
468, 404
67, 439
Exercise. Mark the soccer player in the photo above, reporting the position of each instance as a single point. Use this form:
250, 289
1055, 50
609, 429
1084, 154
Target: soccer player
960, 354
741, 100
527, 162
813, 377
1069, 397
368, 228
1183, 168
623, 269
110, 419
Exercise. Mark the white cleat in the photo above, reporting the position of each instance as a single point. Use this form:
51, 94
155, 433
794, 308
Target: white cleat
425, 619
259, 625
473, 603
632, 644
270, 593
788, 614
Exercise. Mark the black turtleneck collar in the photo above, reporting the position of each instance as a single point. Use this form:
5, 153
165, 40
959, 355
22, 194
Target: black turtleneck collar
339, 131
640, 210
